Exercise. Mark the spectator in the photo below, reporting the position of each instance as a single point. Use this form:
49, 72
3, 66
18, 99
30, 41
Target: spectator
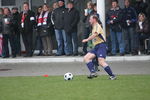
1, 16
44, 26
143, 29
8, 34
38, 41
16, 17
71, 20
129, 23
55, 6
114, 19
27, 24
58, 18
148, 11
95, 13
87, 13
140, 6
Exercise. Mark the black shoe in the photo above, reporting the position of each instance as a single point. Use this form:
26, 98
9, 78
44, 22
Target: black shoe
83, 54
68, 54
28, 55
134, 53
5, 56
92, 75
148, 53
50, 54
13, 56
127, 52
75, 54
122, 54
40, 54
110, 54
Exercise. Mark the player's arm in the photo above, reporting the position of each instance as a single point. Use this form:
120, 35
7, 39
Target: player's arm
90, 37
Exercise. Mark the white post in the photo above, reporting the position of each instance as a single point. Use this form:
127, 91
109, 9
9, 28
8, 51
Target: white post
30, 4
101, 12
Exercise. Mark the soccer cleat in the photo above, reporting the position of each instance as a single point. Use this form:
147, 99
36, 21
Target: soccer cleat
92, 75
112, 77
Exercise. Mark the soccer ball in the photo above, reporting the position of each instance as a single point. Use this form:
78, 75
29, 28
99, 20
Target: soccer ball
68, 76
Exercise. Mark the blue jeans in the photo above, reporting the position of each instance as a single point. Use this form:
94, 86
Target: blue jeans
116, 37
129, 38
72, 40
61, 42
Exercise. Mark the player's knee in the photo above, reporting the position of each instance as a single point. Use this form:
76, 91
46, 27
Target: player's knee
102, 62
85, 58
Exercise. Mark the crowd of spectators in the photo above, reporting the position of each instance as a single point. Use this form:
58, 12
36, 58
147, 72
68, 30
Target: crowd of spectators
129, 28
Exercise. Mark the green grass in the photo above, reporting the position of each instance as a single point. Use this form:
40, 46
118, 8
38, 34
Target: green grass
130, 87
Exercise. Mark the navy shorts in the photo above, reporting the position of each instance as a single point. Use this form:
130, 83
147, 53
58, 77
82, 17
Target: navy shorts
100, 50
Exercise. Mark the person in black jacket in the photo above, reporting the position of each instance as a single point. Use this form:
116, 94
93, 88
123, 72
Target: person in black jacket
44, 25
1, 16
143, 29
8, 34
140, 6
148, 11
129, 23
114, 19
15, 18
38, 40
71, 20
87, 30
58, 19
27, 23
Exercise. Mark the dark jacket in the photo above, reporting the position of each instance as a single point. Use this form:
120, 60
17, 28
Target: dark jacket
16, 21
58, 18
129, 14
140, 7
28, 23
116, 16
7, 28
1, 17
44, 30
148, 11
146, 28
71, 20
87, 18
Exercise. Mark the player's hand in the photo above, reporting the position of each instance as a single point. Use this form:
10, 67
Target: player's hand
85, 40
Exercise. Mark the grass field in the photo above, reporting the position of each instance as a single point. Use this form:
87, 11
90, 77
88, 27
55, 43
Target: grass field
128, 87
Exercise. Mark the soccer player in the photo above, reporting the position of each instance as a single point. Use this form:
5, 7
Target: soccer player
99, 50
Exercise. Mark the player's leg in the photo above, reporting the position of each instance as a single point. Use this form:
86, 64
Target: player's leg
101, 54
96, 64
88, 60
106, 67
